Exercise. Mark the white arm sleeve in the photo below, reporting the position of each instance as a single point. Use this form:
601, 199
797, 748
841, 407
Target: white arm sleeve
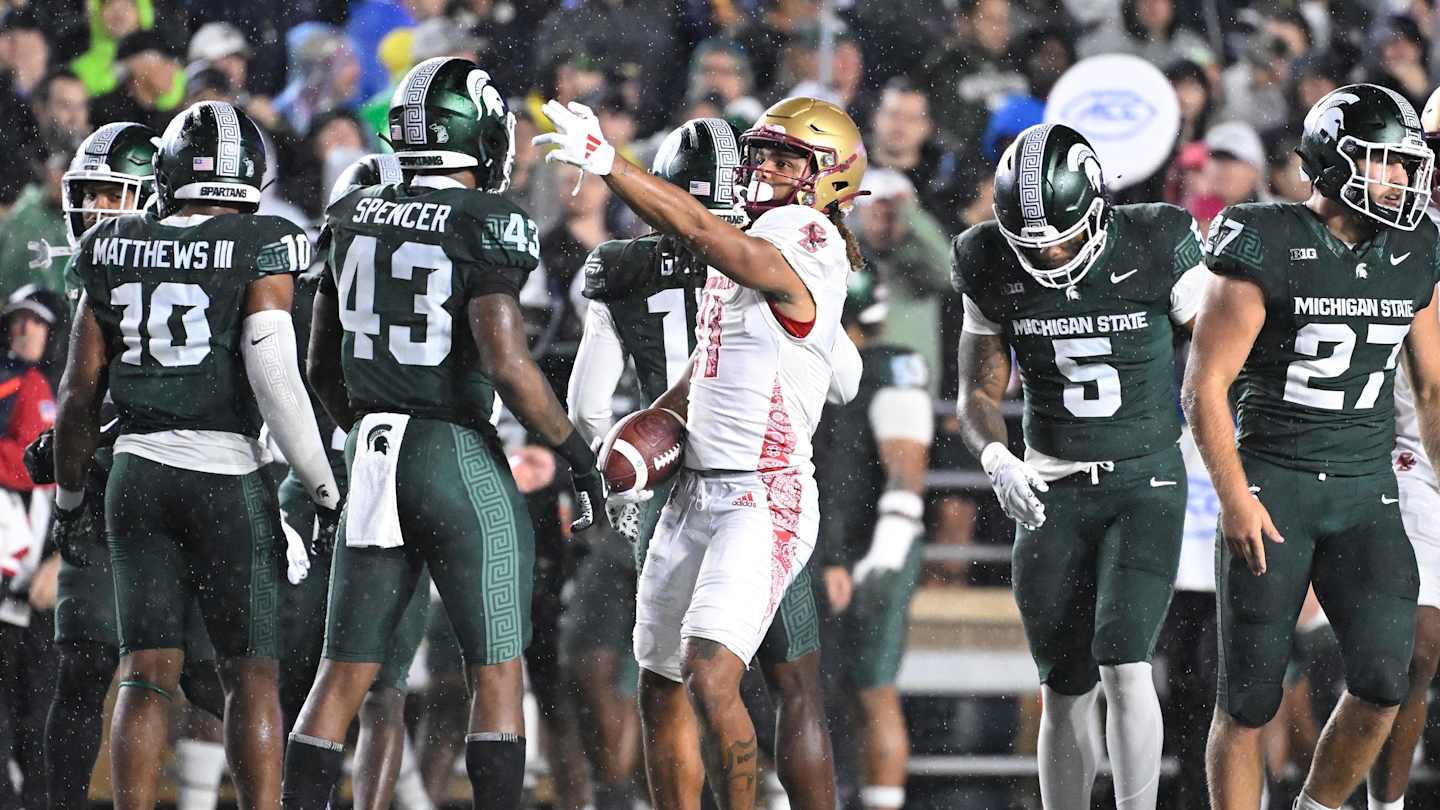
267, 341
902, 413
845, 368
599, 362
975, 320
1187, 294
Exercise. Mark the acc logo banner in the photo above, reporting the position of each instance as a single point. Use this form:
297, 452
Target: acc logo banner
1125, 107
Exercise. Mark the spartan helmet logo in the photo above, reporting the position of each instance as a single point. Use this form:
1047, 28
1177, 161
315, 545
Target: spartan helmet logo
1330, 118
377, 440
1082, 157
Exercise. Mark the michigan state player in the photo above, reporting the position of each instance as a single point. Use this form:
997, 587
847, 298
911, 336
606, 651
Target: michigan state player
110, 175
643, 306
415, 330
1087, 295
1313, 305
185, 315
876, 453
381, 744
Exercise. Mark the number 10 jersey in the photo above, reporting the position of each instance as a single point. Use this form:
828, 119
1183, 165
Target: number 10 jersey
1316, 392
170, 299
404, 262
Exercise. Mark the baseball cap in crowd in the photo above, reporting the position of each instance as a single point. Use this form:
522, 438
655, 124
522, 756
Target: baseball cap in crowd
139, 42
31, 299
884, 184
1236, 140
217, 40
442, 36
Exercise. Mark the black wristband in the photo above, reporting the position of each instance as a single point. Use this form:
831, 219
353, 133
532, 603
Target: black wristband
577, 454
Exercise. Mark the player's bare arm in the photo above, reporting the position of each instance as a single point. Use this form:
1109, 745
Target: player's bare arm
1225, 330
323, 361
677, 397
984, 374
747, 260
498, 329
1422, 358
77, 423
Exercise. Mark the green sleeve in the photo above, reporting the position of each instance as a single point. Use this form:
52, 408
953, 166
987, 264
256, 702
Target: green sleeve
1234, 248
1185, 234
283, 248
965, 253
501, 249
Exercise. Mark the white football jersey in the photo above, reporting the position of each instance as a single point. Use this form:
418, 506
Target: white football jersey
757, 390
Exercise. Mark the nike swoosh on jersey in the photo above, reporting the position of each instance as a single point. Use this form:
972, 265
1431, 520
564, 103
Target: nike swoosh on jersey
1394, 260
1116, 279
1385, 499
1156, 482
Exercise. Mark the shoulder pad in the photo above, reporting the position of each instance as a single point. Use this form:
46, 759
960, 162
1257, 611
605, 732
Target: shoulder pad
282, 246
971, 254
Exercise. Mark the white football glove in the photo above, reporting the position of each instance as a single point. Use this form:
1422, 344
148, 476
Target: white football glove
623, 509
895, 532
1015, 484
297, 560
577, 138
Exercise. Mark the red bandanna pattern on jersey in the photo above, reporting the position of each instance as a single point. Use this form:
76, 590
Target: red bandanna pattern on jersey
814, 236
1405, 462
708, 331
782, 490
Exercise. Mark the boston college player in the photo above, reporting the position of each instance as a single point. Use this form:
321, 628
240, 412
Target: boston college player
742, 520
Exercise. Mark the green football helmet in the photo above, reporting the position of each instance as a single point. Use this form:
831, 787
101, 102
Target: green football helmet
702, 156
447, 114
371, 170
122, 154
210, 153
1366, 123
1049, 189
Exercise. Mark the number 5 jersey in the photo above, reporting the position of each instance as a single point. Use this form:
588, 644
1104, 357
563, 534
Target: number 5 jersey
1099, 380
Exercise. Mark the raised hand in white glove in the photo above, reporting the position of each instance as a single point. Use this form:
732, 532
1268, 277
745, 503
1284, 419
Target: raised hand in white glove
577, 138
297, 559
895, 533
1015, 484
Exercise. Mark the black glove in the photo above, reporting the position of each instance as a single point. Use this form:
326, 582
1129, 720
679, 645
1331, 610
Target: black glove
323, 541
589, 500
40, 458
75, 533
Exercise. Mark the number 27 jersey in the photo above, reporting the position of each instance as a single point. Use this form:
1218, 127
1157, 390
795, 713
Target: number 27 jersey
1316, 391
404, 262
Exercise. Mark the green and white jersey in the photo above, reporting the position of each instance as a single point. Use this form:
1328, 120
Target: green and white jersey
848, 473
644, 298
405, 260
1097, 366
1316, 392
170, 299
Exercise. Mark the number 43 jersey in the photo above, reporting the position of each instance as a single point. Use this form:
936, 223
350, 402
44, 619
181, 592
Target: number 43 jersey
170, 299
1316, 392
1097, 366
405, 260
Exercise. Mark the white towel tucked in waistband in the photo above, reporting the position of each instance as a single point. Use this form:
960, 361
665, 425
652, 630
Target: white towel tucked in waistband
371, 515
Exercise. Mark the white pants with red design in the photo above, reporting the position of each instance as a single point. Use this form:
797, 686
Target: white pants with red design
726, 548
1419, 506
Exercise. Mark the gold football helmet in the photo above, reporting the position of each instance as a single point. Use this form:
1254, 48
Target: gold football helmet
815, 128
1430, 123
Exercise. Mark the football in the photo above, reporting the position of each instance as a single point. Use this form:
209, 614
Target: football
643, 450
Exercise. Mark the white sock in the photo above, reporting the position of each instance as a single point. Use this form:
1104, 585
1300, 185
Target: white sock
409, 787
882, 797
1069, 749
1134, 732
1304, 802
1376, 804
199, 767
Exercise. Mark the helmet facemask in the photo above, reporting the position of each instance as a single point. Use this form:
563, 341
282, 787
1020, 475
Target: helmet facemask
1419, 163
133, 193
1029, 243
756, 194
